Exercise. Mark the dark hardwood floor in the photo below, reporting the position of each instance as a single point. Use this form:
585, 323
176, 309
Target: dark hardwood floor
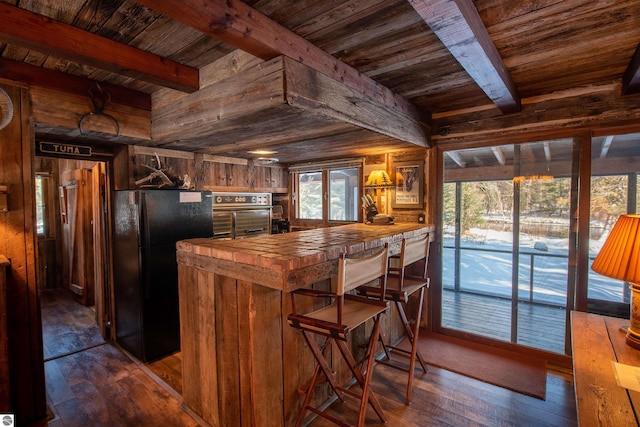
102, 386
90, 382
67, 326
443, 398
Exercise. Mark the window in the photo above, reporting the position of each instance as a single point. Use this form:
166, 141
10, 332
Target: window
343, 194
327, 192
44, 224
615, 174
310, 195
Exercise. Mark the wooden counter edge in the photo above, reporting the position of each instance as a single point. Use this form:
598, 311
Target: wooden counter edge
600, 401
191, 253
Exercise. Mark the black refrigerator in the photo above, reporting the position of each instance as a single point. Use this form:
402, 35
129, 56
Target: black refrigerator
147, 225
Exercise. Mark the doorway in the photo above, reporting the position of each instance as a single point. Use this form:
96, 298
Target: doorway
71, 259
615, 179
507, 243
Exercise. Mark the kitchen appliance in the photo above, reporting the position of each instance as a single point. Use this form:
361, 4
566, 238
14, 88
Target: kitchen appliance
241, 215
147, 225
279, 224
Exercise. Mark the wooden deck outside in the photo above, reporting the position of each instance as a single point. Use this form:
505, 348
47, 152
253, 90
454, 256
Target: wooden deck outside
540, 326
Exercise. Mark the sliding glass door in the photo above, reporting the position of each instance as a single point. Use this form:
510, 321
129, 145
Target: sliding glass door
507, 242
615, 167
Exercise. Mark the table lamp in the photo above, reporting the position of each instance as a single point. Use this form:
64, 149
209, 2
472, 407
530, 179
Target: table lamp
379, 180
619, 259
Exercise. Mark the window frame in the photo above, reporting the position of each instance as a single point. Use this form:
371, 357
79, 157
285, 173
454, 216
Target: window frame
325, 169
47, 204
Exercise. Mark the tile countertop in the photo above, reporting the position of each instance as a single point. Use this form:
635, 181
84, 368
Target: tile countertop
291, 260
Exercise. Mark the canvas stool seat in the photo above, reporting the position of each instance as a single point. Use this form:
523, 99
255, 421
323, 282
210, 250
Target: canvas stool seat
334, 322
407, 276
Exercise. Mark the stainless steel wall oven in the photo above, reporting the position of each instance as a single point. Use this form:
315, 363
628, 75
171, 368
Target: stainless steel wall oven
241, 215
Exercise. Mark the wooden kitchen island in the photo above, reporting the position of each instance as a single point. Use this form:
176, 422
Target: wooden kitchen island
242, 365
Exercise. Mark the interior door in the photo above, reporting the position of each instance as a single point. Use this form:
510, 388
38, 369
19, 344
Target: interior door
77, 187
100, 211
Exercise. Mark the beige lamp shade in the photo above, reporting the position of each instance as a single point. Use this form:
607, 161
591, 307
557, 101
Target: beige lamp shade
619, 257
379, 178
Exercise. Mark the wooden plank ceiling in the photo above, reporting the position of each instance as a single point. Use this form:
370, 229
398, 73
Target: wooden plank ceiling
407, 60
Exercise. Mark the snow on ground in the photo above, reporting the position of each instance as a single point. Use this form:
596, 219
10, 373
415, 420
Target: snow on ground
486, 266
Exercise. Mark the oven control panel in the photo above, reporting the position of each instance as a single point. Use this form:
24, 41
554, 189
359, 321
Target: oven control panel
241, 200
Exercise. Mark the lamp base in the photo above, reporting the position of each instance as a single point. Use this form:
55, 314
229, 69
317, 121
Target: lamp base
633, 333
633, 341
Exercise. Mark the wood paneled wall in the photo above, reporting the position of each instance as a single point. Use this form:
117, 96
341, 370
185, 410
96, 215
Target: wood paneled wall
17, 243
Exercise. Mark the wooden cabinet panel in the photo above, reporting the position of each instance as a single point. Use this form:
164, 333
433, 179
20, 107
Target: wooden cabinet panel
270, 179
225, 173
234, 310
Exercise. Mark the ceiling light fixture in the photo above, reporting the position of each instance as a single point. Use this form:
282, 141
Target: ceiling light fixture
262, 152
266, 160
521, 178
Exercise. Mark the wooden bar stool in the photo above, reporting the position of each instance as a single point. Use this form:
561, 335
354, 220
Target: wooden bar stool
335, 321
404, 280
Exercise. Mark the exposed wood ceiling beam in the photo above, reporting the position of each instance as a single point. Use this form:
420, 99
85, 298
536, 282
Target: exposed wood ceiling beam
499, 155
457, 158
42, 34
50, 79
547, 151
237, 24
459, 26
606, 144
631, 77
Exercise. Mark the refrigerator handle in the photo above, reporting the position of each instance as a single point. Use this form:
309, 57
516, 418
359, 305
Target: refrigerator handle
144, 224
144, 242
143, 255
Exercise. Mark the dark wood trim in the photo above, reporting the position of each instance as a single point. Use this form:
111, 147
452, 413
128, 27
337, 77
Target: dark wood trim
584, 208
556, 359
434, 296
24, 337
33, 31
50, 79
5, 370
631, 77
593, 109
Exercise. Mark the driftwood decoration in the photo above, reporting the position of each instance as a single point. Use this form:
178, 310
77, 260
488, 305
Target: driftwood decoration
162, 176
100, 102
6, 109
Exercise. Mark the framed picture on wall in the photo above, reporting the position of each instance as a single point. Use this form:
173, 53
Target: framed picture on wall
409, 185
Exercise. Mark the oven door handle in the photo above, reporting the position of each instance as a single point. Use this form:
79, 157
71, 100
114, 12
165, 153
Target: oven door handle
253, 230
